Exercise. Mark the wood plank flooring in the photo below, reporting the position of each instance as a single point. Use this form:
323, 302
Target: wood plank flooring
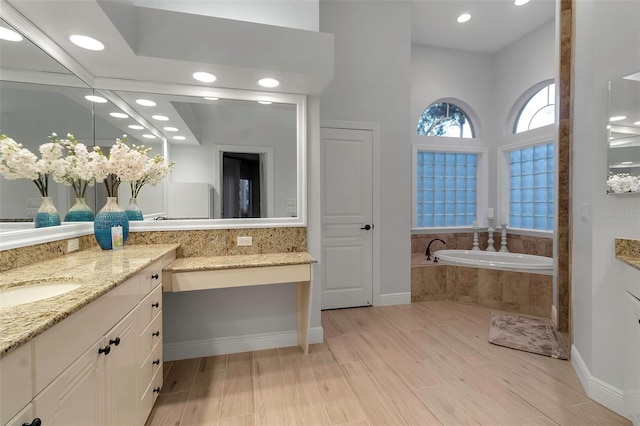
425, 363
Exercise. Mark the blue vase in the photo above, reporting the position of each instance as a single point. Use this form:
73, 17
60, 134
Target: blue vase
109, 216
133, 211
47, 215
80, 212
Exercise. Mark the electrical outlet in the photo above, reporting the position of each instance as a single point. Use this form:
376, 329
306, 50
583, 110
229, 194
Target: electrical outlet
245, 241
73, 245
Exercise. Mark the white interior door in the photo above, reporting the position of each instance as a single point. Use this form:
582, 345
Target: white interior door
347, 210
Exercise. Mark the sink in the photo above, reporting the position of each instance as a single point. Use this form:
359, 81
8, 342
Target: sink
21, 294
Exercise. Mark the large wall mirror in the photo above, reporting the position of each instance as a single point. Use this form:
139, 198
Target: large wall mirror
624, 135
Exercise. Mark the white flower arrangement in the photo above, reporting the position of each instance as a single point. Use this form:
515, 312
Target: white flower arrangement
623, 182
154, 171
78, 170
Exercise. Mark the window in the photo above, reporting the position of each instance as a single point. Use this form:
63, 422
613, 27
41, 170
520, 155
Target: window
445, 119
446, 193
538, 111
531, 187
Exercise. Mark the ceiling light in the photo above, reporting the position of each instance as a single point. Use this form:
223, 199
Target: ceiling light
204, 77
135, 126
86, 42
179, 138
118, 115
145, 102
268, 82
637, 123
265, 102
464, 18
160, 117
520, 2
617, 118
627, 162
171, 129
96, 99
9, 35
148, 136
211, 98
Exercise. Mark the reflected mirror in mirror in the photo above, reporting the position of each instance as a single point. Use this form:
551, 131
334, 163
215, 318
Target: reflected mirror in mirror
39, 96
233, 158
624, 135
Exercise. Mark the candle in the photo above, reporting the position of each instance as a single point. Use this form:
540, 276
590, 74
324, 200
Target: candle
490, 213
505, 218
474, 225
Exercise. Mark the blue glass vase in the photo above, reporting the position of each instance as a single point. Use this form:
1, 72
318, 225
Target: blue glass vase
47, 215
79, 212
133, 210
109, 216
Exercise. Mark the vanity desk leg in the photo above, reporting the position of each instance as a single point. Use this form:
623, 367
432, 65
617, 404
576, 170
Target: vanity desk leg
303, 290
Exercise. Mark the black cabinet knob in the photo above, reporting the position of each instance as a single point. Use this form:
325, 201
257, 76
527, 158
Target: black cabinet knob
105, 350
155, 305
155, 333
156, 362
366, 227
35, 422
115, 341
157, 390
155, 276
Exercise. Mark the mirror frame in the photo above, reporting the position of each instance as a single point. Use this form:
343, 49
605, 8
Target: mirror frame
22, 238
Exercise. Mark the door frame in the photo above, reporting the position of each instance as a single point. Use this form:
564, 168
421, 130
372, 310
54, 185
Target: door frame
375, 133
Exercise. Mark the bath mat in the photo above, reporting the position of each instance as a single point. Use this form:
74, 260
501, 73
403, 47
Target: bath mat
535, 335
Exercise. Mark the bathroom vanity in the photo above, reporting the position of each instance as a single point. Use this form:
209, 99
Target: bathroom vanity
92, 355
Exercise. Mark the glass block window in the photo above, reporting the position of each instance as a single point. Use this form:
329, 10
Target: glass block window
446, 189
445, 119
531, 187
538, 111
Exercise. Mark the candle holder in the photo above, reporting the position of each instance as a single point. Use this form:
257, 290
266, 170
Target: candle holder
475, 239
490, 246
503, 239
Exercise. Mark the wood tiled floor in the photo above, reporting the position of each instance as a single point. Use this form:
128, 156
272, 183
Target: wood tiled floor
425, 363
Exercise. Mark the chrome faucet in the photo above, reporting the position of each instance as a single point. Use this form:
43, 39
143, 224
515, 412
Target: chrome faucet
428, 252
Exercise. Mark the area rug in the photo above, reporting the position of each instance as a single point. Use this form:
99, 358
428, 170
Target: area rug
526, 334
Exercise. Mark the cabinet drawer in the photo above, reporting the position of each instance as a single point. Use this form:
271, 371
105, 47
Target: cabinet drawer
58, 347
23, 417
149, 367
151, 277
149, 337
149, 307
150, 396
15, 382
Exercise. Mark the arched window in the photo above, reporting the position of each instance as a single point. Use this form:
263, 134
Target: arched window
538, 111
445, 119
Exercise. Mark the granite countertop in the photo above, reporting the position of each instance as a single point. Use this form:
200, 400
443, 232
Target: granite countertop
628, 251
187, 264
98, 271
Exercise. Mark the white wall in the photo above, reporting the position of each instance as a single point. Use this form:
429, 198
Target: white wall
371, 84
606, 47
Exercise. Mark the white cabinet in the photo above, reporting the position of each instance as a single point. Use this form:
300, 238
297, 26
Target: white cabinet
632, 361
24, 417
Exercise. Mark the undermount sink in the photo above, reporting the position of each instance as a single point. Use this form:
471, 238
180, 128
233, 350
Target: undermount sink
22, 294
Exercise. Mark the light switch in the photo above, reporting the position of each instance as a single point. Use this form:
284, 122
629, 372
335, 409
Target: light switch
585, 212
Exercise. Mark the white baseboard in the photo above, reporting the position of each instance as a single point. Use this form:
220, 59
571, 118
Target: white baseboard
235, 344
601, 392
395, 299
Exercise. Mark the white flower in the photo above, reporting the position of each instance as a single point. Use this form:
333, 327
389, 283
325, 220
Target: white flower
624, 182
17, 162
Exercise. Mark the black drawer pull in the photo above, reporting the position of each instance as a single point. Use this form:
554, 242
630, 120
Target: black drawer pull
105, 350
157, 390
155, 333
115, 341
155, 305
35, 422
156, 362
155, 276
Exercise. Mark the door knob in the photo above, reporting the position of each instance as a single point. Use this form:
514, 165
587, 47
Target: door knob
367, 227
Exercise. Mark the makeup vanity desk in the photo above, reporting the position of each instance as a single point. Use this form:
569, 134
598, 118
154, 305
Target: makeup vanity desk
213, 272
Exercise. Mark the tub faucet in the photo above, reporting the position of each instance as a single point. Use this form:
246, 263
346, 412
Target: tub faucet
428, 252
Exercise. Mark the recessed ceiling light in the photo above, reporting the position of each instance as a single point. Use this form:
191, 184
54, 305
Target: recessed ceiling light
265, 102
617, 118
145, 102
160, 117
170, 129
204, 77
637, 123
86, 42
148, 136
211, 98
118, 115
96, 99
268, 82
627, 162
135, 126
520, 2
464, 18
9, 35
179, 138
